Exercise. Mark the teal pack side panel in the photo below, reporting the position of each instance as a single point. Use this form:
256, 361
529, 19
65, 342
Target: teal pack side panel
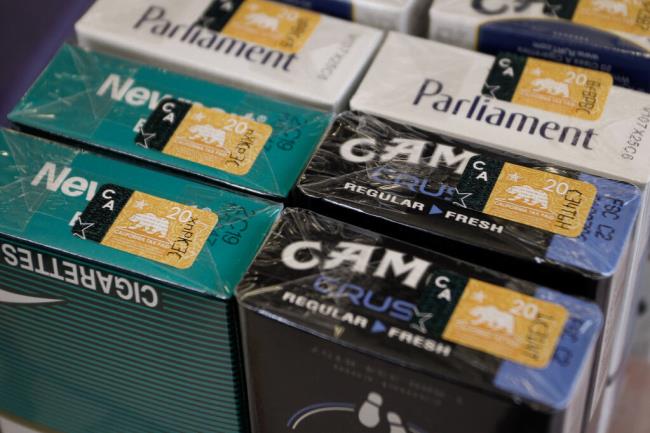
43, 185
88, 357
99, 100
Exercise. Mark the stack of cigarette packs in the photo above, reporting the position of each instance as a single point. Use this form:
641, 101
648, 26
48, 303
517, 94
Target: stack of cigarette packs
300, 216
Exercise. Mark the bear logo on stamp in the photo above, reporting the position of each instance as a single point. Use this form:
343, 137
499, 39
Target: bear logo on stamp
493, 318
611, 6
210, 136
263, 21
499, 321
150, 224
550, 86
528, 195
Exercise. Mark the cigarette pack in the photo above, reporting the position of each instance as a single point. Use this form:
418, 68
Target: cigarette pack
565, 115
408, 16
347, 330
533, 220
605, 35
536, 108
263, 46
234, 137
116, 293
537, 221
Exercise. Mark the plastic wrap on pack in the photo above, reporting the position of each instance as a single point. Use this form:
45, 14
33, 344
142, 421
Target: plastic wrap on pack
537, 221
511, 213
230, 136
347, 329
564, 115
115, 281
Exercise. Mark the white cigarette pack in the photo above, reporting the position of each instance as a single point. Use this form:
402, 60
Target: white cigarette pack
539, 109
267, 47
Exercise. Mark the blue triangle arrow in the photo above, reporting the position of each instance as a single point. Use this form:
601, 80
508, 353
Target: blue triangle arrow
377, 327
435, 210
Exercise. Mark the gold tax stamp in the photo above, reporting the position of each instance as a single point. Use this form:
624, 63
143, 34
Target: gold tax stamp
506, 324
273, 25
541, 199
220, 140
629, 16
563, 89
160, 230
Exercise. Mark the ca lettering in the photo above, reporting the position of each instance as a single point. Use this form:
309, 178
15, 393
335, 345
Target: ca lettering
506, 65
108, 194
168, 108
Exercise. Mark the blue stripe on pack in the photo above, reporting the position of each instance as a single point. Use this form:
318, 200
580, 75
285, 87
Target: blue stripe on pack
555, 385
606, 230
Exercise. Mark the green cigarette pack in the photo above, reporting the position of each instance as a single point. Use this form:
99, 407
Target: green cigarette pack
116, 293
230, 136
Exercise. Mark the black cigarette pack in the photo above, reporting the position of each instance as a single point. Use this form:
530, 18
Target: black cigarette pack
347, 330
534, 220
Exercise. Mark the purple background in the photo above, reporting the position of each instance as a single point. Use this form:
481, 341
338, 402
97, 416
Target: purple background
31, 31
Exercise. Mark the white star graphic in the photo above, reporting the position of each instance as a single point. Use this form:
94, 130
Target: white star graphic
145, 138
492, 89
514, 177
198, 116
461, 198
140, 204
85, 226
536, 72
478, 296
422, 319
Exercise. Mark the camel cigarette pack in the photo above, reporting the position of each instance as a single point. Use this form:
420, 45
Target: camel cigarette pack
536, 221
223, 134
347, 330
116, 293
260, 45
606, 35
531, 219
408, 16
564, 115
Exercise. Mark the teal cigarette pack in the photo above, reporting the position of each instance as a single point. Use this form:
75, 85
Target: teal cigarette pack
237, 138
116, 293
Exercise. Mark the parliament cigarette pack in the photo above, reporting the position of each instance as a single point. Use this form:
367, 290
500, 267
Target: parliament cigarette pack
259, 45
